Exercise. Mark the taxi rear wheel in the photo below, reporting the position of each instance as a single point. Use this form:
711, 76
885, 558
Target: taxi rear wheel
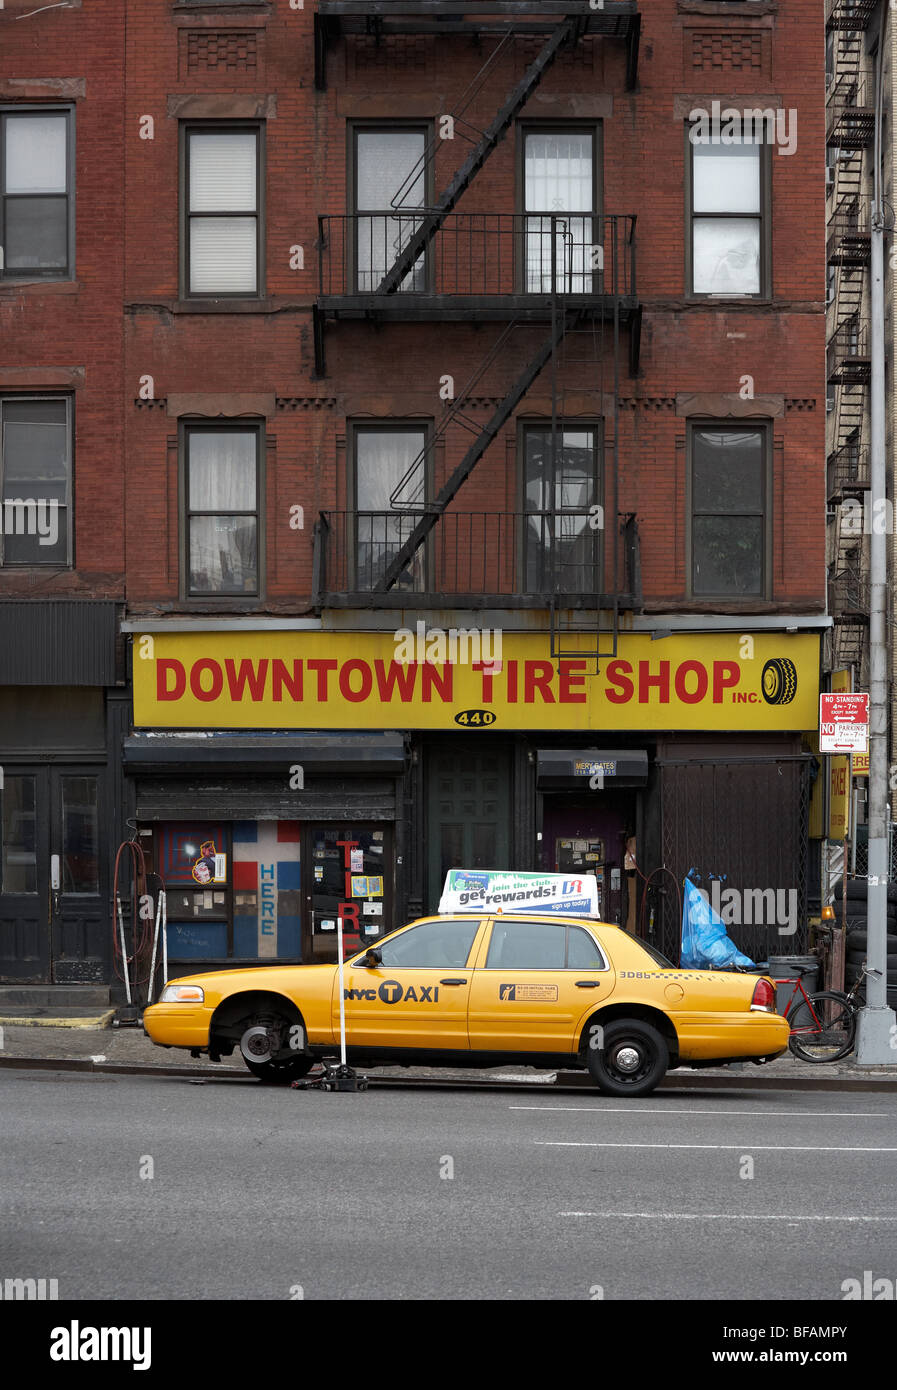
633, 1059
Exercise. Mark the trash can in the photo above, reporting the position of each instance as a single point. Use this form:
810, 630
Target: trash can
790, 968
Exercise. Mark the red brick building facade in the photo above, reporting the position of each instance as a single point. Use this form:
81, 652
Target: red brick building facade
393, 313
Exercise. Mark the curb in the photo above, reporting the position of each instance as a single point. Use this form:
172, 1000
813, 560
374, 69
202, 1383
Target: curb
97, 1021
672, 1082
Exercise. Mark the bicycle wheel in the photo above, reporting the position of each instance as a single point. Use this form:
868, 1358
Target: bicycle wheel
823, 1029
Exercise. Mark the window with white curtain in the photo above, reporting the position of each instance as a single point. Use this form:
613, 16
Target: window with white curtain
222, 501
386, 459
36, 193
558, 200
222, 233
390, 184
727, 218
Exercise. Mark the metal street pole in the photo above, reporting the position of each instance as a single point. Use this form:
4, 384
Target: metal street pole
877, 1024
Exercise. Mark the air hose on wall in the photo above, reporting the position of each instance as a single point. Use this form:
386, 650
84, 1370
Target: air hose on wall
135, 965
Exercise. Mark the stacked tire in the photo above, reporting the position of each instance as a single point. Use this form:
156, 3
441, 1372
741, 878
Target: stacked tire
857, 924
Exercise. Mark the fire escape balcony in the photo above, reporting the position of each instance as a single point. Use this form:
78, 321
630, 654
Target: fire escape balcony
379, 19
849, 241
850, 113
478, 560
848, 472
848, 354
849, 14
848, 596
479, 266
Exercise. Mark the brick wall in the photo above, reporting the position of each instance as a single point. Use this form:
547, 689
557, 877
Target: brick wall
241, 60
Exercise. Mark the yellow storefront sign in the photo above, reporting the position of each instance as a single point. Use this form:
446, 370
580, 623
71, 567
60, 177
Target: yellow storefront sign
839, 798
324, 680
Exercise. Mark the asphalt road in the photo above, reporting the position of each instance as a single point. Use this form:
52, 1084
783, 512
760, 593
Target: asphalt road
261, 1193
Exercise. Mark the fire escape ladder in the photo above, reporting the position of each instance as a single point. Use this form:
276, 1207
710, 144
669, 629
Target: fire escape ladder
461, 126
454, 415
431, 221
620, 535
473, 455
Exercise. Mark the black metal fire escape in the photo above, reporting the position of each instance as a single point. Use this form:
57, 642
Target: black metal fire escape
450, 267
849, 132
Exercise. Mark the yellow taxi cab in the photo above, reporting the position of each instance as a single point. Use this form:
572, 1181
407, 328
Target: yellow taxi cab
482, 990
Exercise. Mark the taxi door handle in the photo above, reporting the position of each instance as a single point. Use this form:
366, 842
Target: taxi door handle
588, 984
453, 982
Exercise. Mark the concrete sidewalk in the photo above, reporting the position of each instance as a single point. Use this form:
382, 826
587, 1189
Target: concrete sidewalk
127, 1050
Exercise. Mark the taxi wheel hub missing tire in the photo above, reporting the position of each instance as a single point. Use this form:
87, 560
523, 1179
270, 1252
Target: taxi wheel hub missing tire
257, 1044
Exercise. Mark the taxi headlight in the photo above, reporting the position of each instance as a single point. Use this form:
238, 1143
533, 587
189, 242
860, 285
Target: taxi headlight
181, 994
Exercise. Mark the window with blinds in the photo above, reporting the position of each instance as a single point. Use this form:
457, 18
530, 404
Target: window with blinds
36, 205
222, 232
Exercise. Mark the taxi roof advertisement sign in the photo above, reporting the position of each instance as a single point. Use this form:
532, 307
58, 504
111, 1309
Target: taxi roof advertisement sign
488, 890
365, 680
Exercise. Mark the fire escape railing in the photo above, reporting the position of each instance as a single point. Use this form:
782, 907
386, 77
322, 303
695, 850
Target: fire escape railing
522, 558
477, 256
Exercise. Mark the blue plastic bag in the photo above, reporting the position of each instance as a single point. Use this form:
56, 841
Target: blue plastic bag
705, 944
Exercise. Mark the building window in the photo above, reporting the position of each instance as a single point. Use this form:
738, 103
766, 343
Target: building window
35, 480
232, 889
562, 491
389, 460
222, 487
727, 246
389, 183
222, 235
80, 835
559, 200
36, 183
729, 488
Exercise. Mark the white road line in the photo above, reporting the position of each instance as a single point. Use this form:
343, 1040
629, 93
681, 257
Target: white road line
686, 1114
755, 1148
711, 1216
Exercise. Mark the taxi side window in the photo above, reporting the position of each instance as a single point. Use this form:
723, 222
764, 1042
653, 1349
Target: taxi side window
437, 944
582, 951
541, 946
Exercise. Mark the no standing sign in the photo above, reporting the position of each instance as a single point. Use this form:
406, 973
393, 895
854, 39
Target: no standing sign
843, 723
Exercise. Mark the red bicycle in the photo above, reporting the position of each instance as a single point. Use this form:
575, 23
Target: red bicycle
823, 1025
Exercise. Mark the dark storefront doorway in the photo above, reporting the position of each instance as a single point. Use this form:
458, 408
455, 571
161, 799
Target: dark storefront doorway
588, 835
349, 873
54, 920
469, 811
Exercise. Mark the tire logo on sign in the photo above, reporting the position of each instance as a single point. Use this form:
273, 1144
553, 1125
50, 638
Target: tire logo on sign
779, 681
390, 991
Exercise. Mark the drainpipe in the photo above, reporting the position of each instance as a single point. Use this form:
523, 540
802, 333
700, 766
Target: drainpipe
877, 1024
